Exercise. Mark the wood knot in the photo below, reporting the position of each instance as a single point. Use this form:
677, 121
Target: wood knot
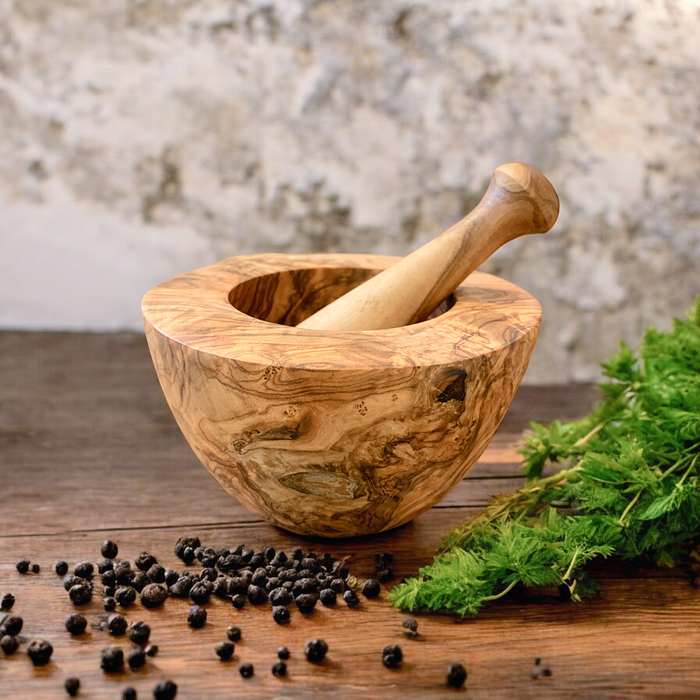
450, 385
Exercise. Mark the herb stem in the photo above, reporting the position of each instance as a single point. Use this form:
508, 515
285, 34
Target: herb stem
570, 570
507, 590
630, 505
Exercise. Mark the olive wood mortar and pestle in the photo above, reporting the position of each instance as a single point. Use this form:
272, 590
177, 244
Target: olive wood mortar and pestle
342, 395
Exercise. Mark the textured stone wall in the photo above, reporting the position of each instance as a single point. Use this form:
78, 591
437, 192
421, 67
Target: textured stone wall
143, 138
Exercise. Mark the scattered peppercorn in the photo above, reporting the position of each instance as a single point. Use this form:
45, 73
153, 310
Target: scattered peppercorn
139, 632
327, 596
117, 625
197, 617
371, 588
8, 600
540, 671
112, 659
39, 651
61, 568
153, 595
136, 659
152, 650
338, 585
36, 568
105, 565
316, 650
9, 644
109, 603
233, 633
238, 601
392, 655
145, 561
246, 670
76, 623
224, 650
280, 596
72, 686
129, 694
80, 593
23, 566
165, 690
84, 569
156, 573
351, 599
283, 653
279, 669
456, 675
280, 614
140, 581
125, 595
306, 602
200, 592
410, 625
11, 624
109, 549
123, 573
256, 595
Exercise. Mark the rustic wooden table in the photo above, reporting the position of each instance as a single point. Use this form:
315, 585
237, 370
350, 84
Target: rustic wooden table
90, 451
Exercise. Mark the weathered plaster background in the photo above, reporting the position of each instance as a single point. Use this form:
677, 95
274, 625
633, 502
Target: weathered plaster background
143, 138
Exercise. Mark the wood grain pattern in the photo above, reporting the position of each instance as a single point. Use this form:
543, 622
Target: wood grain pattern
519, 201
334, 433
90, 450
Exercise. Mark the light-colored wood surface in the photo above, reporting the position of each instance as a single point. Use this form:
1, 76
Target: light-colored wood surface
334, 433
519, 201
90, 450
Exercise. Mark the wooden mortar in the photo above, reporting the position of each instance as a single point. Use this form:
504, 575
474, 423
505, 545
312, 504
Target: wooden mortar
334, 434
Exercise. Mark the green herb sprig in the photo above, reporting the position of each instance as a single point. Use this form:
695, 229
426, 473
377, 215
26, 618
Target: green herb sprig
629, 487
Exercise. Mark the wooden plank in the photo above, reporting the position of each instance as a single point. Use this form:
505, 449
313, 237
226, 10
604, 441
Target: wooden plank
87, 445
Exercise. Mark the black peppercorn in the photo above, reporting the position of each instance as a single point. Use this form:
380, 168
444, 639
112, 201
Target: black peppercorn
297, 553
105, 565
123, 573
456, 675
304, 585
224, 650
410, 625
279, 559
145, 561
392, 655
39, 652
36, 568
280, 614
139, 632
11, 624
109, 604
259, 577
316, 650
117, 624
109, 549
246, 670
136, 659
165, 690
125, 595
256, 595
129, 694
23, 566
72, 686
140, 581
234, 634
279, 668
280, 596
152, 650
200, 592
350, 598
197, 617
306, 602
185, 542
61, 568
9, 644
112, 659
283, 653
338, 585
269, 553
171, 577
182, 586
69, 581
371, 588
153, 595
80, 593
76, 623
109, 579
8, 600
156, 573
238, 601
327, 596
84, 569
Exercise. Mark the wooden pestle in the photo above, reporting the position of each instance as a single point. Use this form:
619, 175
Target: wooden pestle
519, 201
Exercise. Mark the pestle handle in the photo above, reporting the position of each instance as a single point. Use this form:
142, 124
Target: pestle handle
519, 201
